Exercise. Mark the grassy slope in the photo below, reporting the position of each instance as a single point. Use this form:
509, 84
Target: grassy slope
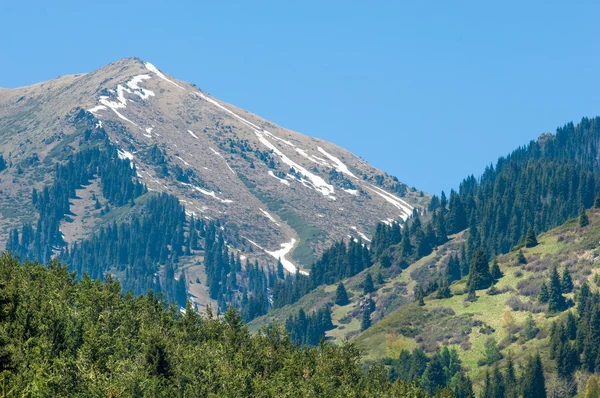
401, 324
460, 324
396, 291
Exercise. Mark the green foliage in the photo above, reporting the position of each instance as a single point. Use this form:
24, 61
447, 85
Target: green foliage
530, 239
341, 296
566, 282
479, 275
491, 352
61, 337
584, 221
521, 258
534, 384
556, 300
309, 330
366, 319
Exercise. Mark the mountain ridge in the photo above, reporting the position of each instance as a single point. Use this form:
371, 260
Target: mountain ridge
278, 193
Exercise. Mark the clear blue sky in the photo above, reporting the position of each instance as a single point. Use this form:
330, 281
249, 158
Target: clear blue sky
427, 91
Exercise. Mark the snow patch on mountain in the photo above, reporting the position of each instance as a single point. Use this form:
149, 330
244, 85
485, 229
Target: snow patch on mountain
270, 217
397, 202
280, 255
319, 183
192, 134
281, 180
221, 156
158, 73
208, 193
338, 164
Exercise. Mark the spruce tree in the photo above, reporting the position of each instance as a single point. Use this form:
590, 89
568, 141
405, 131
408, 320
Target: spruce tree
479, 274
521, 257
341, 296
584, 221
495, 270
510, 378
566, 283
534, 383
280, 273
556, 301
530, 239
453, 269
444, 291
366, 320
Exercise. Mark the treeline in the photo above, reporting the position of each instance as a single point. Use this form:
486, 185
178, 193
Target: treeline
116, 181
309, 329
538, 186
442, 369
341, 260
134, 250
61, 337
229, 283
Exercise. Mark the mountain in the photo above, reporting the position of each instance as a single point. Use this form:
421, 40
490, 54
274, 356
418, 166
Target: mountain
273, 193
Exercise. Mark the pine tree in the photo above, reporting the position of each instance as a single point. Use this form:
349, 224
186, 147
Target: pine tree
492, 352
530, 239
534, 383
341, 296
566, 283
495, 270
464, 387
366, 320
543, 296
556, 301
521, 257
368, 286
498, 384
479, 274
419, 295
512, 390
584, 221
444, 291
453, 269
530, 330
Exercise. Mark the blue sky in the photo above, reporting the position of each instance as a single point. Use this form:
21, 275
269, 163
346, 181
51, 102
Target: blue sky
427, 91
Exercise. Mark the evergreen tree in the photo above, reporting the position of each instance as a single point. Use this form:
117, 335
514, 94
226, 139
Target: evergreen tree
453, 269
566, 283
597, 201
521, 258
512, 388
444, 291
495, 270
530, 330
366, 320
341, 296
584, 221
479, 275
556, 301
464, 387
530, 239
534, 383
492, 352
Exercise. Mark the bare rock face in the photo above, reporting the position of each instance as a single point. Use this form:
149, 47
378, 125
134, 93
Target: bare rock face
285, 194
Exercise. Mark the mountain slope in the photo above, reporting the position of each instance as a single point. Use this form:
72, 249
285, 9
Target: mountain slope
276, 193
